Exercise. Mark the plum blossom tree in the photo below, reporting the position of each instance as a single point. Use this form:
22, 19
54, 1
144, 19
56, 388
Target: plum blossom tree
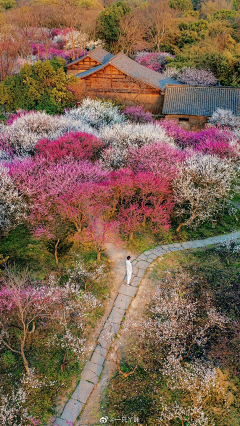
12, 205
201, 188
61, 196
99, 232
21, 306
157, 158
178, 322
139, 199
26, 306
125, 137
225, 118
128, 135
136, 114
201, 382
96, 113
26, 130
168, 342
81, 146
214, 141
198, 77
86, 274
193, 76
154, 60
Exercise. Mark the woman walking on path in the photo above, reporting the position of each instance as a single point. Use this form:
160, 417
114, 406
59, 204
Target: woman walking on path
129, 269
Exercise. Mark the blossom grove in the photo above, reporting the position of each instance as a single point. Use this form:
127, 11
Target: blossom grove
78, 180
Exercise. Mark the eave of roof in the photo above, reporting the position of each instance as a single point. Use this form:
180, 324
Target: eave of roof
91, 70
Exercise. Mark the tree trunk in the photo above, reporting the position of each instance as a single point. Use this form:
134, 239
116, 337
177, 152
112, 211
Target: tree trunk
26, 365
55, 251
131, 235
194, 215
98, 256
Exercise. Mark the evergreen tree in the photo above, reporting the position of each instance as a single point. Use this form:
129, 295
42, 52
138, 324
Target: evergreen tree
42, 86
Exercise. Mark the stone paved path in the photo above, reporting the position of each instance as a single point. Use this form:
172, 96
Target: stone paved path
93, 368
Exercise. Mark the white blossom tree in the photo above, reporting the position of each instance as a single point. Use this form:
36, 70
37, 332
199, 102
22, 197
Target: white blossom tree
202, 186
12, 205
86, 274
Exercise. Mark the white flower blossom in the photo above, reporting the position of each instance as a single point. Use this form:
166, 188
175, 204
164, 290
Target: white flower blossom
203, 184
12, 206
96, 113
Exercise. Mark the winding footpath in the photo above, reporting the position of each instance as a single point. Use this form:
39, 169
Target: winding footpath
93, 368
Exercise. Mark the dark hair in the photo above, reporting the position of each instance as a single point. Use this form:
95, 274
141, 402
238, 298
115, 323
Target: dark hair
129, 257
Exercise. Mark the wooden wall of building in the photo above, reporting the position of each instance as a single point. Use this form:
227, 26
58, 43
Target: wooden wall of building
114, 84
189, 122
83, 65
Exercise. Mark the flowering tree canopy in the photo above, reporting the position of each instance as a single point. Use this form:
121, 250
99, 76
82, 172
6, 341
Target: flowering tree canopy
202, 187
12, 205
192, 76
78, 145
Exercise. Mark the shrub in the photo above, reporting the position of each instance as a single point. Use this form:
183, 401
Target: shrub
172, 72
41, 86
228, 250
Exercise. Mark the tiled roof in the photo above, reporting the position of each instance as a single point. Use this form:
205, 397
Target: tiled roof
202, 101
90, 71
135, 70
99, 54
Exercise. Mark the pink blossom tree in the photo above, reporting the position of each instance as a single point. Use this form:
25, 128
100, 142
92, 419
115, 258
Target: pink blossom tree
21, 307
157, 158
197, 77
59, 194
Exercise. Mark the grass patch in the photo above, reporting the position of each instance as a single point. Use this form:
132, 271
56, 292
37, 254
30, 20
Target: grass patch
146, 239
140, 394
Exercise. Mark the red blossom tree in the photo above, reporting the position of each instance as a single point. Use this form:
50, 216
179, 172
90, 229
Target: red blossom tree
78, 145
137, 199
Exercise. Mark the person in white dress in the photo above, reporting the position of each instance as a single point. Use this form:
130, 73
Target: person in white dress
129, 269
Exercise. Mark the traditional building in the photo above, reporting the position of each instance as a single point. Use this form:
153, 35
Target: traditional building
98, 56
120, 78
103, 75
192, 106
